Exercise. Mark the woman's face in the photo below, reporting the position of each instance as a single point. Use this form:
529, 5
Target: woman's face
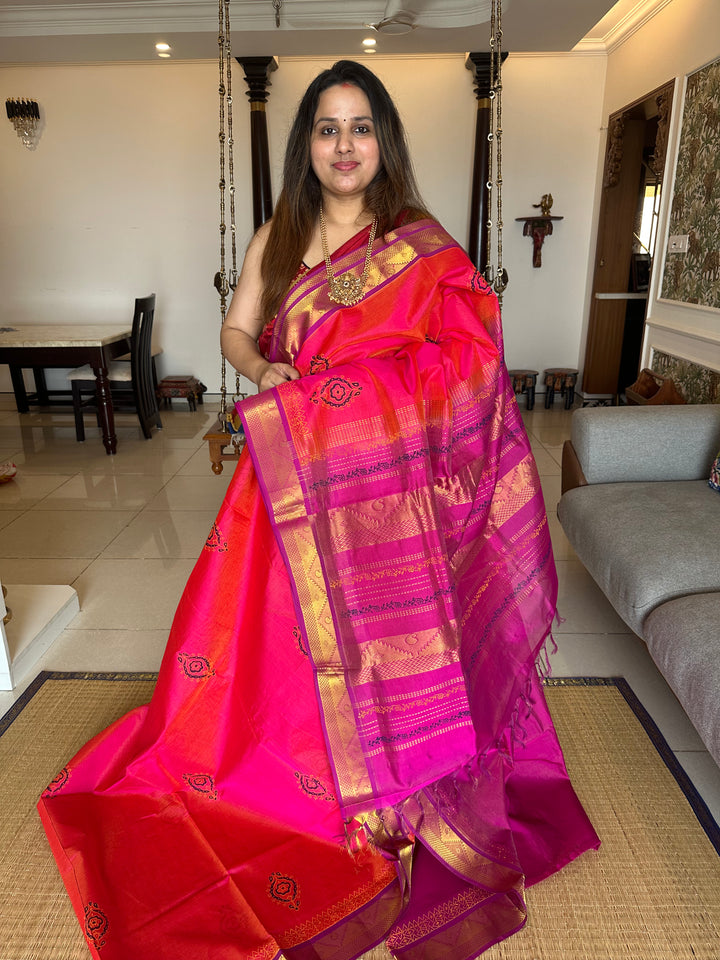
344, 150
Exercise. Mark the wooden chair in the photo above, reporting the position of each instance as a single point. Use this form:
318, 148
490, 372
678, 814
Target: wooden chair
132, 384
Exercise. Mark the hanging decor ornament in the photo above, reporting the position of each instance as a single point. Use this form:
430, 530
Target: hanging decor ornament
277, 4
498, 276
346, 290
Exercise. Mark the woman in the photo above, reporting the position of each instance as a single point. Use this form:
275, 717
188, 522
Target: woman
348, 742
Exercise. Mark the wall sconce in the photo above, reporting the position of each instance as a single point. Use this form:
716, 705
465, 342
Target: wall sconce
25, 117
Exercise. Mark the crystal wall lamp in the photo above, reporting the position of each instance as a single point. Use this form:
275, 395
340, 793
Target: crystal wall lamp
25, 117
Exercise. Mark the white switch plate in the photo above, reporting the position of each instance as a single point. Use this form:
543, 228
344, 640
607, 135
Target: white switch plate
678, 243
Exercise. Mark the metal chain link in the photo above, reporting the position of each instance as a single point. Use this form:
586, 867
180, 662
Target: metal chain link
233, 280
223, 284
501, 280
489, 272
496, 276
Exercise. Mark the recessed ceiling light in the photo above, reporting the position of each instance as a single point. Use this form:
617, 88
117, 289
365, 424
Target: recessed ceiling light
369, 50
369, 42
163, 54
162, 46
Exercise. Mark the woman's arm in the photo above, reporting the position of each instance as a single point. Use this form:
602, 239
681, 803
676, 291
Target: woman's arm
244, 323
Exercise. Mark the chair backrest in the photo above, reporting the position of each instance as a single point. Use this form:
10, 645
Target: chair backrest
141, 357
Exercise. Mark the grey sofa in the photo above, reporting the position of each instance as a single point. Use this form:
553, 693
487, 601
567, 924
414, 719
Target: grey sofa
639, 513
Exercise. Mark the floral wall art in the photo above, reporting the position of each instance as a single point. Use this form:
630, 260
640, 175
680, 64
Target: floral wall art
694, 277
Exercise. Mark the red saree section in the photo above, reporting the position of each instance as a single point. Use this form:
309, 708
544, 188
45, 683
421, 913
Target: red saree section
348, 741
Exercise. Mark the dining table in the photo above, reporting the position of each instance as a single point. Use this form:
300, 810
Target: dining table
41, 345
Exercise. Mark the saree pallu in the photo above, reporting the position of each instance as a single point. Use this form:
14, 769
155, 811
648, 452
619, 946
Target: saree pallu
348, 741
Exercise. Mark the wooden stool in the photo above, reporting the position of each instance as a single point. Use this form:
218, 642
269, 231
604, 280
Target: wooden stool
562, 379
187, 387
524, 381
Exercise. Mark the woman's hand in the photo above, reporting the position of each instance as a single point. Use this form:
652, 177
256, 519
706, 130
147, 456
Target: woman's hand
273, 374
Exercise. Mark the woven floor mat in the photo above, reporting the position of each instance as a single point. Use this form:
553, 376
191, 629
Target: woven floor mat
651, 893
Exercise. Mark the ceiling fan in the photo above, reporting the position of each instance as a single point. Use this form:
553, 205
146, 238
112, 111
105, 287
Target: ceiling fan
400, 16
397, 19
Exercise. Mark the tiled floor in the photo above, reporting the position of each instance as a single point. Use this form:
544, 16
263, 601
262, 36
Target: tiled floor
125, 532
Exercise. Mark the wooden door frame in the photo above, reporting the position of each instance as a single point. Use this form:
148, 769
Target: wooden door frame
614, 238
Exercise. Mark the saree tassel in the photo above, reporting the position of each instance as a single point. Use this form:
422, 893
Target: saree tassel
548, 649
518, 731
542, 663
505, 754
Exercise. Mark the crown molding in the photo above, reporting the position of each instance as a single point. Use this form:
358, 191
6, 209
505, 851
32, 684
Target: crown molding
573, 54
24, 20
635, 19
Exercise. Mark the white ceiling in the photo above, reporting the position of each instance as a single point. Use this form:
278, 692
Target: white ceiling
105, 30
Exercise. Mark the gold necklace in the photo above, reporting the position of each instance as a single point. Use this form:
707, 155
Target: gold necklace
346, 289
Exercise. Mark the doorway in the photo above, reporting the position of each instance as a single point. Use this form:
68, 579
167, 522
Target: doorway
627, 232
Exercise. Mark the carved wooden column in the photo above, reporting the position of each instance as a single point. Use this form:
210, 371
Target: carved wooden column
257, 71
479, 64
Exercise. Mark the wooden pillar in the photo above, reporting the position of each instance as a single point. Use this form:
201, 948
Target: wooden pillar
480, 210
257, 71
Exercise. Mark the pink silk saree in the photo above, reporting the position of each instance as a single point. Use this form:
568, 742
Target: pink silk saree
348, 741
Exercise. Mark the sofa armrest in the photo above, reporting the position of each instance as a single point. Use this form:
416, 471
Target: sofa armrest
572, 472
645, 443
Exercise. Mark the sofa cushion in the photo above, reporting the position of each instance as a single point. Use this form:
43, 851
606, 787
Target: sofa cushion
645, 543
682, 636
646, 443
714, 480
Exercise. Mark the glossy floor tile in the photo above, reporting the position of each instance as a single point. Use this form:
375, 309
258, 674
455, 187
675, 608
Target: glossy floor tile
41, 569
63, 533
130, 594
125, 531
582, 604
157, 534
26, 490
192, 492
90, 491
117, 650
7, 516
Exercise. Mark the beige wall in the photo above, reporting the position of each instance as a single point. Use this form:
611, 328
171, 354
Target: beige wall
552, 136
118, 200
120, 197
682, 36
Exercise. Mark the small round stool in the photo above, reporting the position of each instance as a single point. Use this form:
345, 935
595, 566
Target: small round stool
562, 379
524, 381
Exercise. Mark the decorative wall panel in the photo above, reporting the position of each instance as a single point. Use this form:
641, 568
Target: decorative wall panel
694, 277
696, 383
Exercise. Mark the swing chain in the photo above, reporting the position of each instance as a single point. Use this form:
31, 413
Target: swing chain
496, 277
222, 283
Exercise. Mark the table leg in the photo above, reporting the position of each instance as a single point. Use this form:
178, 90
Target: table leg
21, 400
41, 392
530, 389
106, 414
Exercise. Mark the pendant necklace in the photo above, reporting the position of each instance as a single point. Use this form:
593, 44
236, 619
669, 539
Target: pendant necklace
346, 289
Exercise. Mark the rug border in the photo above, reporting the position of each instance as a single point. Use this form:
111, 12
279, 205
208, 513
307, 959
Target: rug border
662, 747
8, 718
696, 802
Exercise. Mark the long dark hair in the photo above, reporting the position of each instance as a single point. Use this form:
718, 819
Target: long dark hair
392, 192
